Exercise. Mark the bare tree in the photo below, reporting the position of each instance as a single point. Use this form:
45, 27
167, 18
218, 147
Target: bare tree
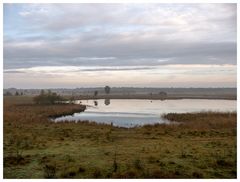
107, 89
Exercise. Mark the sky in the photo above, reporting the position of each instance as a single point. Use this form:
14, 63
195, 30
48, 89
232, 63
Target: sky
132, 45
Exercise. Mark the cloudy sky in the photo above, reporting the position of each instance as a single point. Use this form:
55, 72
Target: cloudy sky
140, 45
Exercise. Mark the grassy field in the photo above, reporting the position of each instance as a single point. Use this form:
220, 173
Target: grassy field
200, 145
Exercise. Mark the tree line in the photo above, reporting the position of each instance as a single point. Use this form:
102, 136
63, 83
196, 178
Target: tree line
47, 98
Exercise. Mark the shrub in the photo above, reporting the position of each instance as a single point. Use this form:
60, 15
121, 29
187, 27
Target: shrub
97, 173
49, 171
115, 165
197, 175
81, 169
47, 98
138, 164
223, 163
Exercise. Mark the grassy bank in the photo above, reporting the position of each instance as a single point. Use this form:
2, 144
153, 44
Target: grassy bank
201, 145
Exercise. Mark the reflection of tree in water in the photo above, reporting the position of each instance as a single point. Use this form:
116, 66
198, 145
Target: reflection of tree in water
95, 103
163, 95
107, 102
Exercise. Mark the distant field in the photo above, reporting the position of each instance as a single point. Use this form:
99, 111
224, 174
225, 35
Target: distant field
156, 96
201, 145
18, 99
138, 93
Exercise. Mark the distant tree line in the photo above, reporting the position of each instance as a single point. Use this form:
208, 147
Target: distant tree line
10, 94
17, 93
47, 98
107, 90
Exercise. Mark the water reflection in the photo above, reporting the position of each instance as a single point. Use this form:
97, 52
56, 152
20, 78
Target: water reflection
130, 113
107, 102
95, 103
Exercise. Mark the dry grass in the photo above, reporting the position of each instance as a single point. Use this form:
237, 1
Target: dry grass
202, 145
205, 120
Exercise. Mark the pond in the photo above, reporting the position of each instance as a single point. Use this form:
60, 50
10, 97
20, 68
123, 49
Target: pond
137, 112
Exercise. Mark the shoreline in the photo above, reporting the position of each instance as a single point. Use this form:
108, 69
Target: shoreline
136, 96
147, 97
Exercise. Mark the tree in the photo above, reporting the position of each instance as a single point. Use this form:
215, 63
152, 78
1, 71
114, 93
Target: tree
72, 99
49, 92
17, 94
95, 93
107, 89
163, 95
42, 92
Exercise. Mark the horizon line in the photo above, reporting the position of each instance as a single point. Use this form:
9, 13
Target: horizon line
114, 87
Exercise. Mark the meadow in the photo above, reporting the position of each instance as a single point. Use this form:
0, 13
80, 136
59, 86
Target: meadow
197, 145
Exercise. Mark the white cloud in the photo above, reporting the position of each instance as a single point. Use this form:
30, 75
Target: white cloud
24, 13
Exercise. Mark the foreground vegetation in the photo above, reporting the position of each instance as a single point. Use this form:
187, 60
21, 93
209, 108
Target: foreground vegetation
200, 145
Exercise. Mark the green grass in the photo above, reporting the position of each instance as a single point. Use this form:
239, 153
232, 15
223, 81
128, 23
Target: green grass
202, 145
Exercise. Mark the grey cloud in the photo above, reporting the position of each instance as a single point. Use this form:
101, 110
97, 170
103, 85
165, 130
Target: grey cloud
125, 53
80, 69
13, 71
119, 69
57, 17
132, 34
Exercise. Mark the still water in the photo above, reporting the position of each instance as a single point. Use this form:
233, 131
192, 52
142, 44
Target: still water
130, 113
